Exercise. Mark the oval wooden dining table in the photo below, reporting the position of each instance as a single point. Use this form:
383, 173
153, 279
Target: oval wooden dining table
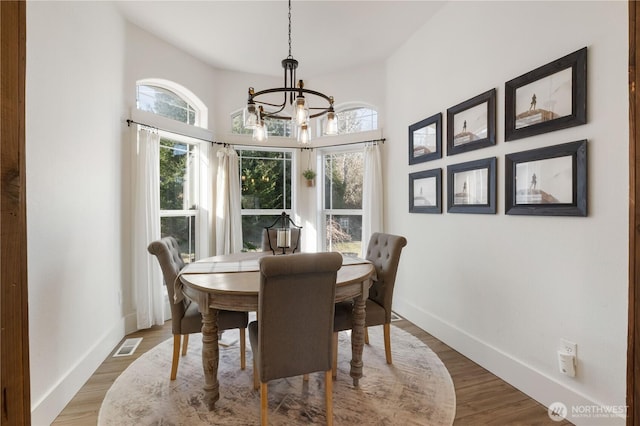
232, 282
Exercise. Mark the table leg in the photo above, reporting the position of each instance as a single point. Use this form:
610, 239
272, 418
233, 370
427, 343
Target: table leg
210, 354
357, 338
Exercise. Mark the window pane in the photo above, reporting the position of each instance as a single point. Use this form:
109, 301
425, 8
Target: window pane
343, 175
252, 226
178, 176
344, 234
237, 126
355, 120
274, 127
265, 177
165, 103
183, 229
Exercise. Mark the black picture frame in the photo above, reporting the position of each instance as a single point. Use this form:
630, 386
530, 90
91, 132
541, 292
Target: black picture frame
469, 190
470, 125
561, 89
429, 198
563, 193
425, 139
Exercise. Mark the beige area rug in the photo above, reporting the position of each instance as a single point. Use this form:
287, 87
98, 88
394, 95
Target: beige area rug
416, 390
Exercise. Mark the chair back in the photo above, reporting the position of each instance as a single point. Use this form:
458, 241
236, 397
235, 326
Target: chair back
384, 252
295, 313
273, 236
167, 251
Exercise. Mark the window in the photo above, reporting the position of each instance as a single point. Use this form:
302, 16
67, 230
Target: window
171, 100
165, 103
179, 194
342, 201
265, 179
356, 119
274, 127
181, 167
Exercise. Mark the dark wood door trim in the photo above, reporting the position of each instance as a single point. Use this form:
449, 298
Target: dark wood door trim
15, 399
633, 351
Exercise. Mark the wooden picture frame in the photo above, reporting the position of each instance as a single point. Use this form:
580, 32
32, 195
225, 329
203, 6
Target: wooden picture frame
551, 97
471, 187
425, 139
550, 181
472, 124
425, 191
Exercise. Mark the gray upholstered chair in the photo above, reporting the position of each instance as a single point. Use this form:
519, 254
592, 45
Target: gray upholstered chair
295, 241
293, 334
384, 252
185, 316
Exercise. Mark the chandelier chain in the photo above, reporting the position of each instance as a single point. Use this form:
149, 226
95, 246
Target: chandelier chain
290, 29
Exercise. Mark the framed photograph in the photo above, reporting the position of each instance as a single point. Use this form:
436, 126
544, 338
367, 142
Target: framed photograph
548, 98
471, 187
550, 181
425, 189
472, 124
425, 139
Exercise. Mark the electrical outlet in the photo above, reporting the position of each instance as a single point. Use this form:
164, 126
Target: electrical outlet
568, 347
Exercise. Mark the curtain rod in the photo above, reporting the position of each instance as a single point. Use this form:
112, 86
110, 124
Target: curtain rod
302, 148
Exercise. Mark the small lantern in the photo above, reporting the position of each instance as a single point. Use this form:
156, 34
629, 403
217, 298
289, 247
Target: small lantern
283, 234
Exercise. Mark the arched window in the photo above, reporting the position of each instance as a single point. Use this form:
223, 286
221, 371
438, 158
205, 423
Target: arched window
274, 127
171, 100
354, 119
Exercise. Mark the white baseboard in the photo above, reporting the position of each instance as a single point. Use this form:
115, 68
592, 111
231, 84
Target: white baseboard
45, 411
523, 377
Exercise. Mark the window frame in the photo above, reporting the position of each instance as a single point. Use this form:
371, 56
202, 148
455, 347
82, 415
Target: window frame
202, 237
293, 180
324, 212
201, 110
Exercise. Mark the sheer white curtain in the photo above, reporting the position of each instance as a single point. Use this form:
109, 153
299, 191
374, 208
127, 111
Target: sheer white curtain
371, 194
228, 213
149, 291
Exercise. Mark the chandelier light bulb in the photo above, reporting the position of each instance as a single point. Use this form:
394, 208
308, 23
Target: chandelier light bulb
331, 125
260, 133
300, 111
304, 134
250, 116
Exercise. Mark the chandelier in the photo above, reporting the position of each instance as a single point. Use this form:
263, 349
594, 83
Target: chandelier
264, 104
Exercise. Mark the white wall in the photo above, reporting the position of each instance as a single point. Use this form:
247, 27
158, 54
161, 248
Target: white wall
74, 144
504, 290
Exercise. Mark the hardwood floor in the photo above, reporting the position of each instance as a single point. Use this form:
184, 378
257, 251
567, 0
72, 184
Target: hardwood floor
482, 398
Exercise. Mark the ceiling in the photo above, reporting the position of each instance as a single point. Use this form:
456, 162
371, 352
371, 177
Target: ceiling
252, 36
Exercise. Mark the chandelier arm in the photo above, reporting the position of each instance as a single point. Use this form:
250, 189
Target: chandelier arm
291, 89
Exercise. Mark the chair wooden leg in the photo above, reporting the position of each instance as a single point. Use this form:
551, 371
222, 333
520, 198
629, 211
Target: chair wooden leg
328, 388
305, 377
185, 344
366, 335
176, 354
387, 341
243, 360
263, 404
334, 369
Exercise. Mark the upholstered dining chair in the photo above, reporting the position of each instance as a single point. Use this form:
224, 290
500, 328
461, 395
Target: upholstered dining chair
293, 333
185, 316
384, 252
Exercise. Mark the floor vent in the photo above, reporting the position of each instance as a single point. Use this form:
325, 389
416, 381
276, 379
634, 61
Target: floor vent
128, 347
